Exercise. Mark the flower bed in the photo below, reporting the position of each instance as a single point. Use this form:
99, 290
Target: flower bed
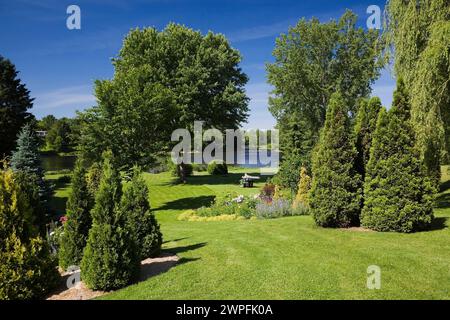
239, 207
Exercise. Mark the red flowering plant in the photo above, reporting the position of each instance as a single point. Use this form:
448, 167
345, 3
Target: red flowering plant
63, 219
267, 192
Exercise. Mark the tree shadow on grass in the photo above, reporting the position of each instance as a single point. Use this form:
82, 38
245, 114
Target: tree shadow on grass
230, 178
153, 267
58, 205
175, 240
444, 186
187, 203
438, 223
167, 260
443, 201
149, 268
177, 250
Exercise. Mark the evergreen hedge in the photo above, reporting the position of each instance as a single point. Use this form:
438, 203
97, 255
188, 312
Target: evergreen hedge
398, 193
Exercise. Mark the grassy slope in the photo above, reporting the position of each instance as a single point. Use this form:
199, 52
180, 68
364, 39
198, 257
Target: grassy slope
286, 258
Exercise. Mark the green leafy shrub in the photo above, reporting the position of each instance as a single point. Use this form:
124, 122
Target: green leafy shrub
398, 193
336, 193
79, 221
175, 170
230, 204
27, 269
289, 172
217, 168
200, 167
141, 221
110, 258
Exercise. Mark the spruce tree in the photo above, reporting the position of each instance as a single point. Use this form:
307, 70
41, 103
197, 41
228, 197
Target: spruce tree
79, 221
366, 122
14, 102
141, 221
27, 269
398, 193
110, 258
335, 198
26, 163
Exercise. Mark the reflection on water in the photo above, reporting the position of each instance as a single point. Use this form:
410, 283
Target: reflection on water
54, 162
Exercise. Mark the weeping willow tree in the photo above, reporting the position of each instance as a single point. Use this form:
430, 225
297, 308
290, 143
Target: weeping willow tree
418, 35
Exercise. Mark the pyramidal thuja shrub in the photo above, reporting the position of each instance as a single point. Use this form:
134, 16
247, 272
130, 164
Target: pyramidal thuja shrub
27, 268
141, 221
335, 198
76, 228
110, 259
365, 125
398, 193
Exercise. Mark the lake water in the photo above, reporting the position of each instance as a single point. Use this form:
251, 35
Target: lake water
55, 162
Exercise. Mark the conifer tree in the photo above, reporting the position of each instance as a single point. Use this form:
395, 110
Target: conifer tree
141, 221
26, 163
366, 122
79, 221
110, 258
27, 269
304, 186
14, 103
398, 192
335, 198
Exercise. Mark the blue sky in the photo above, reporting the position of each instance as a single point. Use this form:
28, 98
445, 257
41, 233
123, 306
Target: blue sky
59, 65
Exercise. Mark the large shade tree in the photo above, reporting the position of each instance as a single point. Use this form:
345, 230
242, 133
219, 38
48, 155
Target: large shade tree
312, 61
14, 102
418, 32
164, 80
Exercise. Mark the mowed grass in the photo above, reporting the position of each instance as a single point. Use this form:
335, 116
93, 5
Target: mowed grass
286, 258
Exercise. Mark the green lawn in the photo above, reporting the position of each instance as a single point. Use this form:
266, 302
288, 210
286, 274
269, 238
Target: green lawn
287, 258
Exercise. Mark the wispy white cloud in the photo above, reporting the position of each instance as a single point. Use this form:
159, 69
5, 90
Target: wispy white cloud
260, 32
275, 29
73, 98
260, 117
